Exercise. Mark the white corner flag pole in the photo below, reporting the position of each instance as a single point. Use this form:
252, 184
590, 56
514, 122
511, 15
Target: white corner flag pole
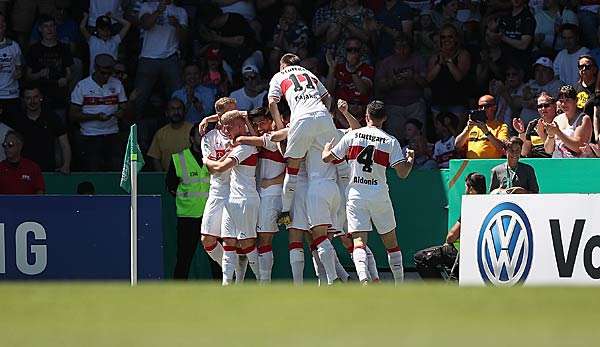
133, 173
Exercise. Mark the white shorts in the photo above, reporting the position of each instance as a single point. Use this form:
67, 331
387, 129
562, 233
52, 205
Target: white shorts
215, 219
360, 213
322, 203
270, 207
244, 215
341, 224
307, 138
298, 210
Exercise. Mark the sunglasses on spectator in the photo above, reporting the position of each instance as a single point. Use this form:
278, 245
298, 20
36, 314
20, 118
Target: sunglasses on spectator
544, 105
8, 144
352, 49
585, 66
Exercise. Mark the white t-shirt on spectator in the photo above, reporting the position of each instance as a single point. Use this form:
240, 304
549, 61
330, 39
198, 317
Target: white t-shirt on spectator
95, 99
565, 65
243, 7
99, 46
161, 40
443, 151
245, 102
101, 7
545, 24
10, 58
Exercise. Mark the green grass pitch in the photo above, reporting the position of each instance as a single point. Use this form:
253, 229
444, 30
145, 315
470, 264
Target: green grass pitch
204, 314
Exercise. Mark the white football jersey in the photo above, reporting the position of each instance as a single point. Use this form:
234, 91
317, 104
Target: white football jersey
214, 145
243, 174
302, 90
370, 151
10, 58
271, 164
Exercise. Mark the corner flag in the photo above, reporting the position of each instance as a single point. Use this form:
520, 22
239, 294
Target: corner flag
132, 154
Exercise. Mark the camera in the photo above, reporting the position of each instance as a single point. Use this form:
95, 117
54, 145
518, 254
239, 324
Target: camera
477, 115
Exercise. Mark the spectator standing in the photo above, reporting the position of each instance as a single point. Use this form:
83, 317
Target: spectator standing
393, 19
483, 140
446, 128
291, 36
18, 175
172, 138
508, 94
351, 80
534, 135
252, 94
104, 41
23, 17
446, 14
552, 16
354, 21
588, 17
165, 27
100, 8
198, 100
543, 81
424, 34
586, 85
516, 32
324, 24
97, 102
10, 70
214, 76
565, 63
447, 72
400, 82
492, 60
571, 130
514, 177
42, 129
49, 62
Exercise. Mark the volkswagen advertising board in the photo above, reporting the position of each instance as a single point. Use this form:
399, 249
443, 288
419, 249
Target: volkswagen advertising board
546, 239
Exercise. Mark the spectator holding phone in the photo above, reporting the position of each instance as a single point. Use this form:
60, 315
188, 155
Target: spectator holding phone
96, 104
484, 136
570, 130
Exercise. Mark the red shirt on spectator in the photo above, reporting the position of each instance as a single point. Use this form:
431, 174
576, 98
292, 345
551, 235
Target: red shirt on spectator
345, 88
22, 178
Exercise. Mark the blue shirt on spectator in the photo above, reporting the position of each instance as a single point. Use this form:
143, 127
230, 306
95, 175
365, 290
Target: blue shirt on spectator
205, 95
393, 19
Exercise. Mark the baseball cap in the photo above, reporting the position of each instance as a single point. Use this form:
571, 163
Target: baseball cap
104, 60
250, 69
103, 22
213, 53
545, 62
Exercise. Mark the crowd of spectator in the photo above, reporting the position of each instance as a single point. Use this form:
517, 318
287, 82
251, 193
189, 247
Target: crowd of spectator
75, 74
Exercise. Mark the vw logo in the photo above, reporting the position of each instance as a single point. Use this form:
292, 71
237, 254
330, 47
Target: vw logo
505, 246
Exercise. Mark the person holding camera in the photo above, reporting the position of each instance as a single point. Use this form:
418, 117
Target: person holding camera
432, 260
484, 136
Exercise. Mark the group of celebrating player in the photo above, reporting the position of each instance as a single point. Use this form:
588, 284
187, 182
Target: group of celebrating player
307, 175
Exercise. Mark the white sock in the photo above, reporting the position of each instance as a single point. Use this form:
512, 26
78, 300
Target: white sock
297, 262
252, 258
339, 269
395, 261
216, 253
372, 265
359, 256
265, 263
240, 268
289, 186
327, 256
319, 269
230, 259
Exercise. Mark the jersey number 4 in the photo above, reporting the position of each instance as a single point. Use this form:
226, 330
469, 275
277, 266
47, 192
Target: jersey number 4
365, 157
297, 86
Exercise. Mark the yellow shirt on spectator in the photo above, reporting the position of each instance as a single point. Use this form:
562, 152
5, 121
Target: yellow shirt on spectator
480, 147
168, 141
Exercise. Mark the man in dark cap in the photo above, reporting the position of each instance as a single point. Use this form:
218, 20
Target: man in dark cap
96, 104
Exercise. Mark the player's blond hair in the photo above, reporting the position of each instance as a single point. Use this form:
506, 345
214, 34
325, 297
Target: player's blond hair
230, 116
220, 105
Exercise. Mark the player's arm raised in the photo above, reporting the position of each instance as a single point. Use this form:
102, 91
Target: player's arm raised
256, 141
404, 167
219, 165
